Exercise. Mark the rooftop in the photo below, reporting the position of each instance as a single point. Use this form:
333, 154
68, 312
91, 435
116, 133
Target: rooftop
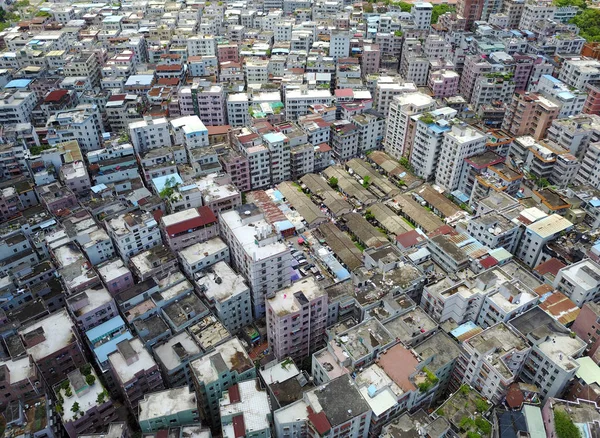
177, 350
166, 403
291, 299
220, 283
130, 358
244, 399
228, 356
48, 335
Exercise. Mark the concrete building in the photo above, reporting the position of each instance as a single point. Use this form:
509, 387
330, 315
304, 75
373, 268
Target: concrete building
537, 235
228, 295
529, 114
344, 139
216, 372
16, 106
429, 135
579, 281
133, 233
75, 177
298, 101
244, 408
579, 72
200, 256
399, 124
461, 142
82, 123
421, 12
296, 319
135, 371
256, 252
149, 134
188, 227
20, 379
169, 408
54, 345
174, 355
92, 307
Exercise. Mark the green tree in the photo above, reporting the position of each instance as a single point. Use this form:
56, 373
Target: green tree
564, 426
333, 182
366, 181
369, 216
588, 23
404, 7
75, 407
543, 182
86, 370
579, 3
440, 10
90, 379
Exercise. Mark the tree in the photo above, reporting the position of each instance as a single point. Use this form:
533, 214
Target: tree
404, 7
369, 216
100, 398
562, 3
86, 370
333, 182
588, 23
543, 182
564, 426
90, 379
438, 10
75, 407
366, 181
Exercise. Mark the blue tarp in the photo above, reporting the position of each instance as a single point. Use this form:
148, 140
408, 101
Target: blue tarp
104, 328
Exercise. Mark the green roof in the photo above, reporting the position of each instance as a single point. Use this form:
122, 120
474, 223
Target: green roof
588, 371
535, 423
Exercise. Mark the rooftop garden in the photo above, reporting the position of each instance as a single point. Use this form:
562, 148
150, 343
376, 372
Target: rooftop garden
564, 425
465, 410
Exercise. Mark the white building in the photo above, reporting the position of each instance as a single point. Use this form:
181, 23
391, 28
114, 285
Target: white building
421, 13
237, 109
189, 131
536, 236
202, 255
16, 106
404, 106
257, 252
82, 123
133, 233
339, 45
579, 72
461, 142
150, 134
244, 408
297, 101
227, 294
579, 281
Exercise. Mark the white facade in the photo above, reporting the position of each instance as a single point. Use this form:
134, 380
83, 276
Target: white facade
150, 134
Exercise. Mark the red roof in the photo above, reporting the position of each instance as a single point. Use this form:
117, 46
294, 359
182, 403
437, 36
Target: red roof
514, 396
168, 81
205, 217
239, 428
488, 262
410, 239
319, 421
157, 214
551, 266
56, 95
324, 147
169, 67
443, 230
218, 130
117, 97
344, 92
234, 393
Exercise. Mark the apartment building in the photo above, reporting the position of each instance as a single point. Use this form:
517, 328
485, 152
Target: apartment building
550, 365
537, 235
228, 295
182, 409
238, 105
443, 83
20, 379
149, 133
461, 142
16, 106
133, 233
579, 72
579, 281
92, 307
187, 227
344, 139
123, 109
298, 101
216, 372
84, 404
75, 177
54, 345
429, 135
400, 126
296, 319
256, 252
245, 407
82, 123
135, 371
199, 256
174, 355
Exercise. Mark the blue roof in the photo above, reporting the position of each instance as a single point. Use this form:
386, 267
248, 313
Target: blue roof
438, 129
460, 196
98, 188
566, 95
552, 78
342, 274
105, 327
595, 202
160, 181
278, 195
464, 328
109, 347
18, 83
283, 225
274, 137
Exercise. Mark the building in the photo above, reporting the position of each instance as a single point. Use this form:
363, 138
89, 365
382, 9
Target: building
169, 408
227, 294
92, 307
537, 235
54, 345
75, 177
245, 409
20, 379
149, 133
344, 139
82, 123
429, 135
188, 227
174, 355
585, 327
296, 319
580, 281
133, 233
257, 252
135, 371
398, 132
200, 256
461, 142
16, 106
215, 372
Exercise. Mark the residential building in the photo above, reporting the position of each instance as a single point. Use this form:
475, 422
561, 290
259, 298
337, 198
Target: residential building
133, 233
200, 256
296, 319
187, 227
579, 281
160, 410
149, 133
245, 407
537, 235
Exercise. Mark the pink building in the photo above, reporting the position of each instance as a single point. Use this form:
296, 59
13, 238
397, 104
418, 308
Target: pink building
371, 56
228, 52
296, 319
115, 276
57, 197
585, 327
19, 379
238, 167
443, 83
92, 307
184, 228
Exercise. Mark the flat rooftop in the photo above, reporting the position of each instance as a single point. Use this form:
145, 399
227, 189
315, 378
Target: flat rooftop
363, 338
121, 360
166, 403
228, 356
56, 330
177, 350
221, 283
292, 298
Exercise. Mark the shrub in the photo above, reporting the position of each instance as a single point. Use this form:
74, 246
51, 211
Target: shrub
75, 407
481, 405
86, 370
565, 428
333, 182
90, 379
